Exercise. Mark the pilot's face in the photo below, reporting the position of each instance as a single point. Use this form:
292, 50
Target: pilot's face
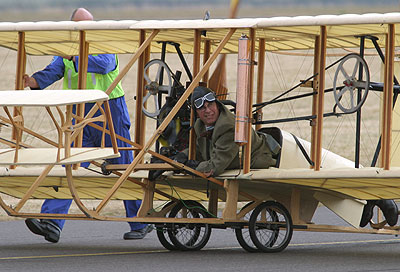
208, 113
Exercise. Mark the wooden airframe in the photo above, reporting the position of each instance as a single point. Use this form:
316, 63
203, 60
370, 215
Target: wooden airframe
339, 187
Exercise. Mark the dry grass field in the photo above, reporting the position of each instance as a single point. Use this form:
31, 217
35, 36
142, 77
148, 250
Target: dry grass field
281, 73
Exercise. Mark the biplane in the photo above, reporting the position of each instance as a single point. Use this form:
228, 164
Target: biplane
264, 206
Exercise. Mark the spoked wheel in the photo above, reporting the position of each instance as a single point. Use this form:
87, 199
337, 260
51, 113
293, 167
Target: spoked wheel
270, 227
162, 231
153, 86
243, 234
347, 74
189, 236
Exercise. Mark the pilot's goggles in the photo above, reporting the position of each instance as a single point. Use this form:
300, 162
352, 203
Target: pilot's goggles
199, 102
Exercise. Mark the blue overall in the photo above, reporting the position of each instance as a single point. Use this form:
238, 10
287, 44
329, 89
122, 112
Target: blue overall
91, 136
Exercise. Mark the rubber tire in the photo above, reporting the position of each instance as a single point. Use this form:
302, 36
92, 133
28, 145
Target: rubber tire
278, 213
198, 211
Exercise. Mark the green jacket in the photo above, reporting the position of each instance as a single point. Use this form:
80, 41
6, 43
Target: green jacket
93, 81
221, 152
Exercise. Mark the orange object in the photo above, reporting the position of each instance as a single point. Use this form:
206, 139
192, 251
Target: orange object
242, 92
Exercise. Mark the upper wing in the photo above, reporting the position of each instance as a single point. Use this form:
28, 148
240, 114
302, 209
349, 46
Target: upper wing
280, 33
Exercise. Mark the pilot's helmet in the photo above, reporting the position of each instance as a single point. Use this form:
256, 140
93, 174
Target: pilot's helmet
202, 94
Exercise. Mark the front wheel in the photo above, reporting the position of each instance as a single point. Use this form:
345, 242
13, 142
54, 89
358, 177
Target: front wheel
243, 234
270, 227
189, 236
162, 231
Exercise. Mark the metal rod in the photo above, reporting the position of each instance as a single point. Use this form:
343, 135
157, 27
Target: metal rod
358, 116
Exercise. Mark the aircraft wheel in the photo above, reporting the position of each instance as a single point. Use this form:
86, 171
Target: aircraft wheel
347, 73
153, 86
270, 227
162, 231
189, 236
243, 234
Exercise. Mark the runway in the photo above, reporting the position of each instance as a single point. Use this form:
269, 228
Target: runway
98, 246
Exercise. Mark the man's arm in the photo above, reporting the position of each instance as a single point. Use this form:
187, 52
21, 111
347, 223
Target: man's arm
99, 64
41, 79
224, 152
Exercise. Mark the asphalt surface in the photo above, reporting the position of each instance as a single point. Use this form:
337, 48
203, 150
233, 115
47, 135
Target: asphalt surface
98, 246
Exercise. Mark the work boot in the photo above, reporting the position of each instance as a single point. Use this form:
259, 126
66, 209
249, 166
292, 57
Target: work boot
46, 228
390, 210
138, 234
368, 212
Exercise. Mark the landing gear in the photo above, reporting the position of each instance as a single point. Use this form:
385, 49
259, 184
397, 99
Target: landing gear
162, 231
243, 234
270, 227
185, 236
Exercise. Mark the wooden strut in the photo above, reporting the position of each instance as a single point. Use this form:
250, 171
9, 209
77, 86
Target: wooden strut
19, 85
315, 98
388, 97
320, 99
140, 120
196, 68
260, 78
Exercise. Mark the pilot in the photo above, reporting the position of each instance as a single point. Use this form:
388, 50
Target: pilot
216, 149
102, 70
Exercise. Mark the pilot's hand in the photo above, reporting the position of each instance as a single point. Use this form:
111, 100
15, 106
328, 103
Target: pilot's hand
154, 174
30, 82
180, 157
192, 163
209, 174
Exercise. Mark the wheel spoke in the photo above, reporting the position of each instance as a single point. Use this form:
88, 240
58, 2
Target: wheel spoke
158, 75
355, 69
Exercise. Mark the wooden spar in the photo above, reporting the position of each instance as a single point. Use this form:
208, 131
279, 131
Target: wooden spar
140, 93
315, 98
206, 56
67, 132
21, 62
167, 120
196, 68
83, 60
260, 78
82, 77
19, 84
388, 97
320, 98
384, 110
124, 71
196, 52
234, 8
